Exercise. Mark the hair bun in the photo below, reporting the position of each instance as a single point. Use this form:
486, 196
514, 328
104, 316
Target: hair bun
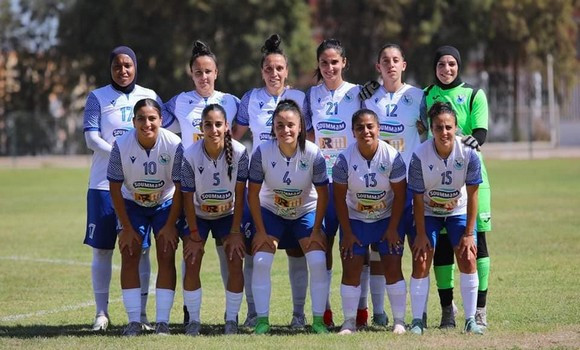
200, 48
272, 44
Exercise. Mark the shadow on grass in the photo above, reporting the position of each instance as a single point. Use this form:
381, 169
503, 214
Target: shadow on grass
84, 330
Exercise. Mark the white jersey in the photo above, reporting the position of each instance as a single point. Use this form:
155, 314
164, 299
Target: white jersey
110, 112
442, 181
148, 176
214, 190
330, 114
257, 108
288, 183
398, 114
369, 196
186, 108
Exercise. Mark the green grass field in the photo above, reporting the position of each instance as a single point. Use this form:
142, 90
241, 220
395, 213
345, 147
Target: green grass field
533, 302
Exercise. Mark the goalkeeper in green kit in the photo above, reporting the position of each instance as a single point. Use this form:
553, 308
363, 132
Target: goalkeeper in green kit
470, 105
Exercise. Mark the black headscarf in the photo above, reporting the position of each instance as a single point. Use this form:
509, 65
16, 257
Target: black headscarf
120, 50
452, 51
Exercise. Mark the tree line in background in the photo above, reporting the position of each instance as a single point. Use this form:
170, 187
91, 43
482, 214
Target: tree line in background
54, 52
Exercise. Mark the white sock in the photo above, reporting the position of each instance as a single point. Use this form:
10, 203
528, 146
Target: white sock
364, 287
377, 287
144, 276
233, 303
248, 271
318, 281
101, 271
132, 303
192, 300
298, 273
261, 282
469, 284
163, 303
221, 252
419, 289
350, 297
397, 293
329, 273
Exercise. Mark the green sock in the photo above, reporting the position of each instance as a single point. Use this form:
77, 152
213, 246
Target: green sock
483, 272
444, 276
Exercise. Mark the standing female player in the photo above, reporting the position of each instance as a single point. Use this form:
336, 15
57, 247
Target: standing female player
108, 115
144, 174
328, 108
186, 109
214, 175
369, 194
256, 113
288, 194
444, 176
400, 107
470, 104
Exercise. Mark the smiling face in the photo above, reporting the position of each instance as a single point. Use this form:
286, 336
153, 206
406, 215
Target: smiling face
331, 64
444, 128
287, 128
214, 126
204, 74
391, 65
274, 73
366, 131
122, 70
147, 122
446, 69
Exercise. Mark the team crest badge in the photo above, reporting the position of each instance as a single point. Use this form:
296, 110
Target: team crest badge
461, 99
303, 164
164, 158
383, 167
407, 100
458, 163
348, 97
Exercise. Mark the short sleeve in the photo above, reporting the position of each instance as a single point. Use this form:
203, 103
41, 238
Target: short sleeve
319, 175
187, 176
473, 176
242, 117
177, 160
256, 169
115, 169
416, 183
399, 171
92, 115
340, 170
243, 170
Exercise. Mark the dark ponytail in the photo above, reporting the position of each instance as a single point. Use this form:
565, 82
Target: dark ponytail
201, 49
229, 152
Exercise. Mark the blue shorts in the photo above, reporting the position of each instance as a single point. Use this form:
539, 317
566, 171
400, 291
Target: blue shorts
372, 233
279, 227
145, 219
330, 219
101, 232
219, 228
455, 226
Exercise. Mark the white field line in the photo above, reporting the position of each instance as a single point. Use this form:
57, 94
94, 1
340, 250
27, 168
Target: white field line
11, 318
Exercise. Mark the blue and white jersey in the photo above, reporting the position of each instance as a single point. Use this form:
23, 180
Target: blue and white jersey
257, 109
442, 181
110, 112
148, 176
288, 183
186, 109
330, 114
214, 190
398, 114
369, 196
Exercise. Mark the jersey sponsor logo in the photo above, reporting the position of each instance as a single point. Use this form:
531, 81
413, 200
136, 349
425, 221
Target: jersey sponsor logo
458, 163
133, 158
288, 192
407, 100
196, 122
303, 164
164, 158
445, 195
330, 143
461, 99
330, 126
265, 136
392, 128
222, 196
149, 184
119, 132
371, 196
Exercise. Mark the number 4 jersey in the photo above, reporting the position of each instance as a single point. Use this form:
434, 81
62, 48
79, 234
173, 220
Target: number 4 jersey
148, 176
